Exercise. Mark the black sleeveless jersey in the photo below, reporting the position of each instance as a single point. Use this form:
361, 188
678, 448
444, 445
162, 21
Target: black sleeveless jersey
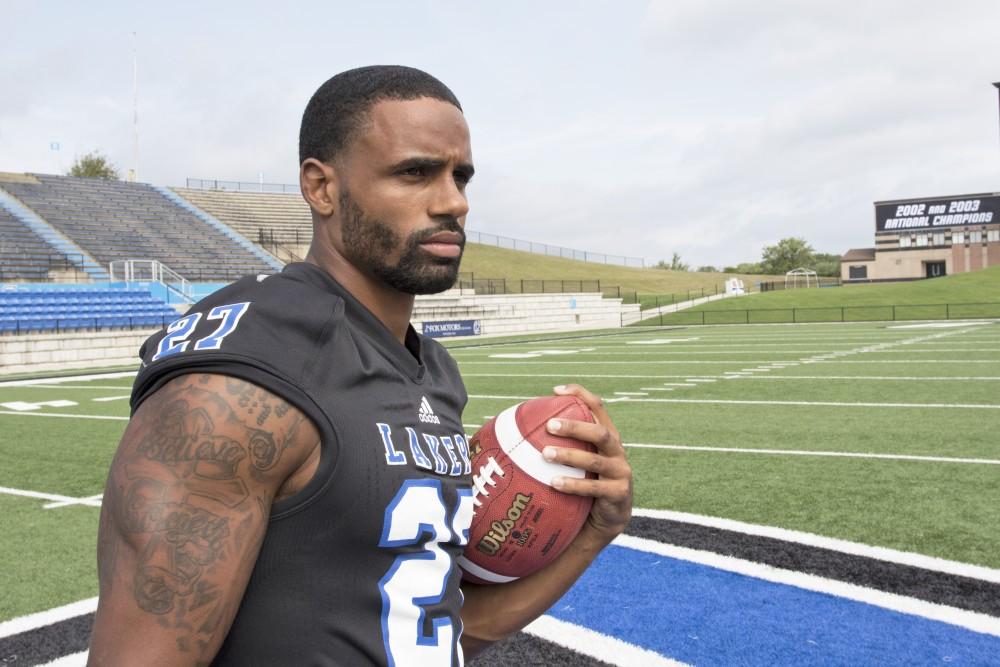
359, 567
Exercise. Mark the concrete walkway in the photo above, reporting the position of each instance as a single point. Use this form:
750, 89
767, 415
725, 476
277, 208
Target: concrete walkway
672, 308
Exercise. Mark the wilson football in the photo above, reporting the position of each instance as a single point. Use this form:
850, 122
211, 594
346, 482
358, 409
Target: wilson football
521, 523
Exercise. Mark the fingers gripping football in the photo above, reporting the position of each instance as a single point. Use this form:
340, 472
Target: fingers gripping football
612, 489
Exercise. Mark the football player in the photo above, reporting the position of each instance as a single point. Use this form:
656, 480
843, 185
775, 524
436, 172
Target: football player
293, 486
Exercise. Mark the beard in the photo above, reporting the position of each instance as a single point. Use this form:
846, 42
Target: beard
368, 242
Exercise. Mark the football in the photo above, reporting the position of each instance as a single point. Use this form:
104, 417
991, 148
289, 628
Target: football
520, 522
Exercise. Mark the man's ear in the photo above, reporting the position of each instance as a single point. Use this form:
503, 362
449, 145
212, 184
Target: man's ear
320, 186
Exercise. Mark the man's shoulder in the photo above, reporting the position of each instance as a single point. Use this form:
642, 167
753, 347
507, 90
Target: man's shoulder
268, 318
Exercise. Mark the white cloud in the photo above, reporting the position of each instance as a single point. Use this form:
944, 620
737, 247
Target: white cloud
705, 128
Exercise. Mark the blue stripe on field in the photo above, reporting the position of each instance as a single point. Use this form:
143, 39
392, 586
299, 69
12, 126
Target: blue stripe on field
706, 616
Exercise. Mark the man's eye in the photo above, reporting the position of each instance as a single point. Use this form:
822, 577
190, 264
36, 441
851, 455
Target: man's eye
413, 171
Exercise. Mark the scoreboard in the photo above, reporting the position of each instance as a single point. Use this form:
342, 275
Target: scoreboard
937, 212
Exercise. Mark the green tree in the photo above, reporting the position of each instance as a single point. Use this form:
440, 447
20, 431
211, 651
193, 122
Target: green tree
94, 165
785, 255
675, 264
707, 269
744, 267
826, 264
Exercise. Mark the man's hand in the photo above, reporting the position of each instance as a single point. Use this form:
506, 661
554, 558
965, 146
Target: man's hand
492, 612
612, 490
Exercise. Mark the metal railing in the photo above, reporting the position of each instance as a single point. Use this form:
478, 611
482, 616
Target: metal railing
27, 267
270, 237
798, 315
822, 281
241, 186
552, 250
150, 270
474, 236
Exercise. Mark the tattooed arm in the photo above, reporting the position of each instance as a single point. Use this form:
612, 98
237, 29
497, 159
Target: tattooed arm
184, 513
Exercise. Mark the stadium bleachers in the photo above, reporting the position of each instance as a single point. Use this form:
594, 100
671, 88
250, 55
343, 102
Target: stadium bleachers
23, 255
28, 309
114, 220
263, 218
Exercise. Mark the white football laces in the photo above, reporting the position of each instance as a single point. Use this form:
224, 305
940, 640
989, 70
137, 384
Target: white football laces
483, 479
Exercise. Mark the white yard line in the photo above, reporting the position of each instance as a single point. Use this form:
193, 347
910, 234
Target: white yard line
901, 378
806, 452
597, 645
51, 497
16, 626
103, 399
626, 376
69, 378
65, 415
596, 362
105, 387
967, 619
831, 543
720, 401
72, 660
94, 501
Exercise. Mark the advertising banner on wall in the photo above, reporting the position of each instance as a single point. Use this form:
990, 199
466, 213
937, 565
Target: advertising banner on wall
937, 212
446, 329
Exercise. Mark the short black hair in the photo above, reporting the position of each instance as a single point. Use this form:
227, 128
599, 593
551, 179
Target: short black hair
340, 106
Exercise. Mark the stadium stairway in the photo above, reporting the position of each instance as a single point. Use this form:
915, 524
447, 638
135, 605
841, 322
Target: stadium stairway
51, 236
117, 220
508, 314
674, 307
205, 217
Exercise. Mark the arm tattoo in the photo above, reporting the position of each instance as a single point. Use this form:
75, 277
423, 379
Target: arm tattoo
185, 492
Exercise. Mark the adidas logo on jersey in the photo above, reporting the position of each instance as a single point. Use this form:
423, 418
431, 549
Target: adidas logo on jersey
425, 414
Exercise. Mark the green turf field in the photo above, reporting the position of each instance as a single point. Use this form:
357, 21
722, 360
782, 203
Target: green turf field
884, 434
961, 296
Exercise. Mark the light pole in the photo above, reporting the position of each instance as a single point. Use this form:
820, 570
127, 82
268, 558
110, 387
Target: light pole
996, 85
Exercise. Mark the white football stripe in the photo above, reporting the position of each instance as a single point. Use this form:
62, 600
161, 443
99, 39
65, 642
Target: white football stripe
528, 458
48, 617
975, 621
482, 572
834, 544
69, 378
607, 649
74, 660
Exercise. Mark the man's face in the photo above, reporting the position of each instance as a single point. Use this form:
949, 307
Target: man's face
402, 201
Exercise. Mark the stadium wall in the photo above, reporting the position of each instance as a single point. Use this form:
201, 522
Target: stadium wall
488, 315
37, 353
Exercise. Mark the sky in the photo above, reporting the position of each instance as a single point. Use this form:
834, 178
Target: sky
705, 128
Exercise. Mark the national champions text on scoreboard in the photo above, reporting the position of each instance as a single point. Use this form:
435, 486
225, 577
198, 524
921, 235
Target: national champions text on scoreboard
937, 212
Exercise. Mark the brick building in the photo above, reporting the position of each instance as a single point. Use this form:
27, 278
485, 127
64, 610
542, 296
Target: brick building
926, 238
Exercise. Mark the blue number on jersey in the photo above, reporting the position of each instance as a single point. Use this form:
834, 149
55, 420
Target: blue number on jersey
230, 315
417, 516
176, 340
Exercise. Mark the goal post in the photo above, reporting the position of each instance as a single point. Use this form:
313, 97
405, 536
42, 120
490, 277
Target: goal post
801, 277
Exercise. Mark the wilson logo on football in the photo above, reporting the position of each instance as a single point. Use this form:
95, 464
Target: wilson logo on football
425, 414
500, 530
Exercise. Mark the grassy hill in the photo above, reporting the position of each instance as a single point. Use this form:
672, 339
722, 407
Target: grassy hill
485, 261
912, 300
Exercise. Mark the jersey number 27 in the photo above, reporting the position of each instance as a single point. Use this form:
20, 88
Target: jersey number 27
178, 332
